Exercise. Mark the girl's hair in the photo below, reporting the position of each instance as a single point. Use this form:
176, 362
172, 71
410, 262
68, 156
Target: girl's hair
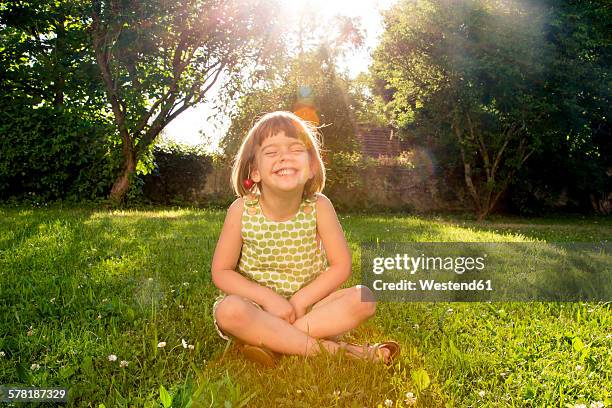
269, 125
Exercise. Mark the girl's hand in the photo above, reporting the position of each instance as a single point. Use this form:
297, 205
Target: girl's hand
300, 310
280, 307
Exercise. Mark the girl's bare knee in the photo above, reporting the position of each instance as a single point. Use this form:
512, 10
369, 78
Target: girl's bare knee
233, 311
365, 304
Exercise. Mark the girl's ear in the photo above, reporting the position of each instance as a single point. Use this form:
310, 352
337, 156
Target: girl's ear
255, 176
313, 169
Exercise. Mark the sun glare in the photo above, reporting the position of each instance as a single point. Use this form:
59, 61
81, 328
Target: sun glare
327, 8
186, 128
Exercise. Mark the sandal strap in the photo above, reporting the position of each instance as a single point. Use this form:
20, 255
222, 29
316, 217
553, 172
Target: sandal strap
367, 352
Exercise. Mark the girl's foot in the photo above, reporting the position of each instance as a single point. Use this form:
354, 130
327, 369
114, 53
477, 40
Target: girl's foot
260, 355
385, 352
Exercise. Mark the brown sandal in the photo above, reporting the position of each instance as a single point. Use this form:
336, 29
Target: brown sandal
259, 355
375, 353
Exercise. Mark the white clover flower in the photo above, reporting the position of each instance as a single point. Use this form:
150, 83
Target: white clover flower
597, 404
580, 406
416, 326
112, 357
2, 354
388, 403
410, 399
481, 394
191, 347
609, 336
34, 366
123, 363
181, 307
579, 367
184, 343
161, 344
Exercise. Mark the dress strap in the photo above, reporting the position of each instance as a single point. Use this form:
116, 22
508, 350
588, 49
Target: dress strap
311, 199
251, 204
308, 204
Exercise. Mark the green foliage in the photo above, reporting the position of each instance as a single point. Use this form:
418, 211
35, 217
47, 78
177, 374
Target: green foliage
165, 397
342, 170
494, 86
56, 141
178, 175
308, 77
159, 58
468, 73
571, 171
331, 100
45, 55
50, 154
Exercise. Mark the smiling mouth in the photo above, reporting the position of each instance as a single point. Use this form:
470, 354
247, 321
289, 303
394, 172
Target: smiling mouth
285, 172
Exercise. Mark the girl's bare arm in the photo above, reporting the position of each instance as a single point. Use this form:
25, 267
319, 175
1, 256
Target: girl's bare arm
225, 259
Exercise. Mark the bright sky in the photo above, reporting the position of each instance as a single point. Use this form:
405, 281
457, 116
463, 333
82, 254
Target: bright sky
202, 119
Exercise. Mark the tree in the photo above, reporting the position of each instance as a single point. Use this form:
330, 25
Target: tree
469, 74
573, 168
158, 58
45, 57
55, 134
307, 82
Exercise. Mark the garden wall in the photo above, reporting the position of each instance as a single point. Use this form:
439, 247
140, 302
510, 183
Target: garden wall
409, 183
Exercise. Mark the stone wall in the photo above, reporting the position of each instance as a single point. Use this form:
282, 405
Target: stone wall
386, 186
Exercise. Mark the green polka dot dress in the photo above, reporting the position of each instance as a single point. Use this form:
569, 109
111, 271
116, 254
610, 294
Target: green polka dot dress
282, 255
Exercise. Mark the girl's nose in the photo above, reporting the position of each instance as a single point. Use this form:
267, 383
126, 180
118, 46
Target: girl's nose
282, 155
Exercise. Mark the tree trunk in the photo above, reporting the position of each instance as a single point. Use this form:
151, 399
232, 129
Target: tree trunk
482, 214
59, 52
122, 183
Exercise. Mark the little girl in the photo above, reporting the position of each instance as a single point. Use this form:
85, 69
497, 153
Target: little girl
282, 256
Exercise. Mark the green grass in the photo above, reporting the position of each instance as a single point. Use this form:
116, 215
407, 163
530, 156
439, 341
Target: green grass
80, 284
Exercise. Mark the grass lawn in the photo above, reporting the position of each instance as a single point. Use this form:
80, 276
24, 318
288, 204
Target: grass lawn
78, 285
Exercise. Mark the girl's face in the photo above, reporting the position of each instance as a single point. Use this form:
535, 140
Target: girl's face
282, 164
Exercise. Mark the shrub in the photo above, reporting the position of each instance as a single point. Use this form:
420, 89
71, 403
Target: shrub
179, 174
54, 153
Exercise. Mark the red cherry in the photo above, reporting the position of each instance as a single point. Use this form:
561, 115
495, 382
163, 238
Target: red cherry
248, 183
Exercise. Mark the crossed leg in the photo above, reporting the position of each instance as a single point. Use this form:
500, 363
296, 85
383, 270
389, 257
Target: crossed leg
337, 313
